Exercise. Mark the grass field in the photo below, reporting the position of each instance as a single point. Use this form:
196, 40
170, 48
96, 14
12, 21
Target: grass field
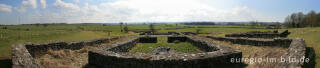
40, 34
76, 32
183, 47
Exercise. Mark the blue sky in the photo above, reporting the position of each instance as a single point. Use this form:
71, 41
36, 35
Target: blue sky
104, 11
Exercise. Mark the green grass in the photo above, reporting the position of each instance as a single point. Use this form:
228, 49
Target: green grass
15, 37
312, 38
310, 35
41, 34
184, 47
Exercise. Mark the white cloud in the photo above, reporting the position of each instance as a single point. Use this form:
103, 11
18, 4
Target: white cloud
30, 3
77, 1
27, 4
5, 8
173, 10
43, 3
154, 11
64, 5
67, 9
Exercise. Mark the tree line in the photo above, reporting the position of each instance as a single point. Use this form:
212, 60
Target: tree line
200, 23
300, 20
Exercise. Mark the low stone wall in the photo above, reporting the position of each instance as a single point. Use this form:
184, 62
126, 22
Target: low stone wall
116, 57
150, 33
124, 46
202, 45
296, 48
189, 33
281, 42
148, 39
21, 58
173, 33
310, 53
23, 54
258, 34
179, 38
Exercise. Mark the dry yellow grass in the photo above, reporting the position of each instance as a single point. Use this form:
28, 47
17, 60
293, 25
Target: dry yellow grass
63, 58
67, 58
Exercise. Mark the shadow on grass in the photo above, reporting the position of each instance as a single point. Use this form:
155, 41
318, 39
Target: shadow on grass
5, 63
310, 53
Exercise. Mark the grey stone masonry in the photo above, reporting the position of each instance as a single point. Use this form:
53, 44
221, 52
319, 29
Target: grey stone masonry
23, 54
148, 40
281, 42
163, 50
21, 58
258, 34
179, 38
116, 56
296, 48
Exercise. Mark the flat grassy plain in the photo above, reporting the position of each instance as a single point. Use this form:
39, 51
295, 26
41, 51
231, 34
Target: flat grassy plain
77, 32
40, 34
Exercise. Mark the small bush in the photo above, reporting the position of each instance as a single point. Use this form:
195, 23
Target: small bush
27, 30
4, 27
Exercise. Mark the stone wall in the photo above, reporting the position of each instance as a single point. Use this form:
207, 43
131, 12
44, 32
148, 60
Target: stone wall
258, 34
23, 54
174, 33
281, 42
21, 58
148, 40
123, 46
179, 38
116, 56
189, 33
203, 45
150, 33
40, 49
296, 48
310, 53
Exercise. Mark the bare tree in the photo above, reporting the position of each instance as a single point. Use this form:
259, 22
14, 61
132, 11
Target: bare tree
311, 18
151, 26
198, 31
297, 20
126, 28
293, 18
121, 23
277, 25
318, 19
300, 20
253, 24
288, 21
